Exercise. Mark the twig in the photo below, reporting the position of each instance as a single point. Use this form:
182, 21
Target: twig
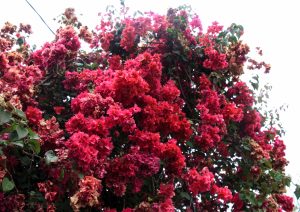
40, 17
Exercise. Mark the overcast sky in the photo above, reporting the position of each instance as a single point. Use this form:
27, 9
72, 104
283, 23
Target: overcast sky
272, 25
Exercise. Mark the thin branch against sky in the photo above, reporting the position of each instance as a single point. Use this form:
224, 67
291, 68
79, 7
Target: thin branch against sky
40, 16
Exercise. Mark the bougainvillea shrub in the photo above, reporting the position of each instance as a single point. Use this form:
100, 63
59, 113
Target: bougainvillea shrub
152, 117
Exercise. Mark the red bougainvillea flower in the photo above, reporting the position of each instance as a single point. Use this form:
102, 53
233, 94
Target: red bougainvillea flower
88, 193
223, 194
199, 182
58, 109
153, 116
215, 60
34, 115
285, 201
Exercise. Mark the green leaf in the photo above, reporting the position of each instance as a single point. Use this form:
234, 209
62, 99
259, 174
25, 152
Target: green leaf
277, 176
190, 144
35, 197
254, 85
80, 175
297, 191
18, 143
286, 180
33, 135
4, 117
79, 64
25, 161
7, 185
185, 195
20, 113
233, 39
13, 136
251, 197
7, 130
62, 174
246, 147
3, 142
50, 157
22, 131
266, 163
260, 201
35, 145
20, 41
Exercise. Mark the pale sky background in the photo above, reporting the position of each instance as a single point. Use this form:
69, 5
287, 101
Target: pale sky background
272, 25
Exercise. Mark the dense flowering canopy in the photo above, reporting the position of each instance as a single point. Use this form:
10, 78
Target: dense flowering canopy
153, 117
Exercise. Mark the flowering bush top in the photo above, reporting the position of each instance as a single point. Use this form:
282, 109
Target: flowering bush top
153, 117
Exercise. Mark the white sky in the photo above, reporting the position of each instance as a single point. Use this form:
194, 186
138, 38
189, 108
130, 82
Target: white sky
272, 25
